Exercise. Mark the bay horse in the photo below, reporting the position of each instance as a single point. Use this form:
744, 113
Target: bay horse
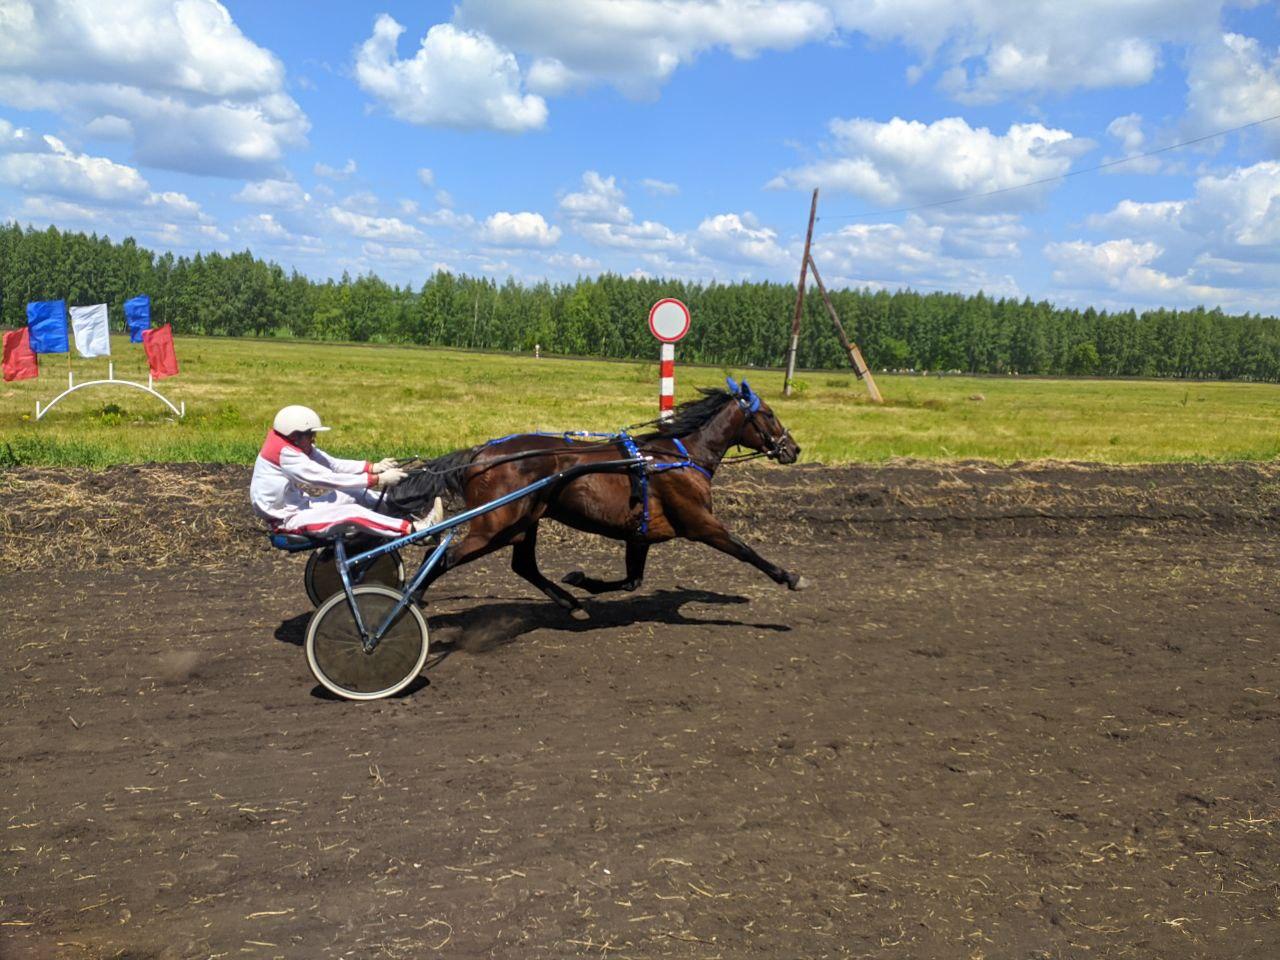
672, 500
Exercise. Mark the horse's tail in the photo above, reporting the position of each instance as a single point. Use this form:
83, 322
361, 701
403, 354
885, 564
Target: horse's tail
440, 477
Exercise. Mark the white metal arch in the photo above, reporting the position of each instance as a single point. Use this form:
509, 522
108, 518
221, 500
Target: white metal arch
111, 381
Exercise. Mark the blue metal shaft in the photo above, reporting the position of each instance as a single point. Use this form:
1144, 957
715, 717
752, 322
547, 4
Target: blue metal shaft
466, 515
407, 594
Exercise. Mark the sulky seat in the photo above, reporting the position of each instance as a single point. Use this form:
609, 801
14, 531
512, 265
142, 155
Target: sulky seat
297, 542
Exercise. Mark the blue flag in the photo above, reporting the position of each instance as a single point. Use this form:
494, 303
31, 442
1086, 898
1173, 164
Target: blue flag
137, 315
47, 321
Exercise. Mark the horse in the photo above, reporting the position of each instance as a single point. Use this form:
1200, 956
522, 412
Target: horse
672, 498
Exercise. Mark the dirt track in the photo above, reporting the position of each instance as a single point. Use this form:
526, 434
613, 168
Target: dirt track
1024, 713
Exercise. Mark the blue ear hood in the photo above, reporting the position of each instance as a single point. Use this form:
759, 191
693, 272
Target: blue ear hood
752, 399
732, 385
746, 390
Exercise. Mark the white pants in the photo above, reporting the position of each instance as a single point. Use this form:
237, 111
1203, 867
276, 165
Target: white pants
337, 507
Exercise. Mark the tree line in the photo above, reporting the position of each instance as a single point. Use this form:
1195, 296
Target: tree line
738, 324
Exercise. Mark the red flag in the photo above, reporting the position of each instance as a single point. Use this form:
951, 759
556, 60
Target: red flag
158, 343
19, 362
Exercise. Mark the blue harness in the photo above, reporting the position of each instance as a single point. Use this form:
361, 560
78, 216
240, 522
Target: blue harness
640, 472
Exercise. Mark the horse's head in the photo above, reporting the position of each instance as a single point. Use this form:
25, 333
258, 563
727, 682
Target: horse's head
762, 431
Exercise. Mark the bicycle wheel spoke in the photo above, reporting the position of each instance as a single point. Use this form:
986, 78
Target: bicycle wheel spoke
340, 660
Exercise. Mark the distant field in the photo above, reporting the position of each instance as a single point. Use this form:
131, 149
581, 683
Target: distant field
401, 400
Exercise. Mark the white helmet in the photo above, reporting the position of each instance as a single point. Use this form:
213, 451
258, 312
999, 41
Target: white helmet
296, 419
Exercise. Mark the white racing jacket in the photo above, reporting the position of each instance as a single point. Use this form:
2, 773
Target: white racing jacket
282, 469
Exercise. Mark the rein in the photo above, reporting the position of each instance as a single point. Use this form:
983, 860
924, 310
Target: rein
775, 445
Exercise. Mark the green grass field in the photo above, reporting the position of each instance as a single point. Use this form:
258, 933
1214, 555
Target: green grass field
402, 400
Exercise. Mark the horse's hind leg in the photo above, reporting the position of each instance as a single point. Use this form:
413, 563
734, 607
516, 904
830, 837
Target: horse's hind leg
524, 562
714, 534
636, 554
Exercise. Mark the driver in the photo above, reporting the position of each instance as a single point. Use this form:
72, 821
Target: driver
289, 460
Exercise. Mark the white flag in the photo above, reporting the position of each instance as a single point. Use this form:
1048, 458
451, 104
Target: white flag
90, 327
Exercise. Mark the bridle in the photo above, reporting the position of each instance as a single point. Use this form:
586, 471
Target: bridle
751, 410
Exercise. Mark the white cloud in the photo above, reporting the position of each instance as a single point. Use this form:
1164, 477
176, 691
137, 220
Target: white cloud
1133, 142
549, 77
174, 235
573, 261
519, 230
1128, 130
265, 225
191, 46
374, 228
637, 44
110, 127
660, 188
362, 201
167, 219
598, 214
50, 168
343, 172
272, 193
57, 212
447, 218
1125, 267
947, 253
457, 78
1232, 80
179, 80
1240, 209
738, 239
178, 206
1220, 246
1235, 215
1144, 218
991, 51
17, 138
909, 162
380, 251
600, 201
427, 177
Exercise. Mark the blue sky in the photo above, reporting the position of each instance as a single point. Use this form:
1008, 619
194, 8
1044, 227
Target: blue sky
680, 138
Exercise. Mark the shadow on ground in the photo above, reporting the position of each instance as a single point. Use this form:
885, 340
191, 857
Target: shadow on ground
494, 624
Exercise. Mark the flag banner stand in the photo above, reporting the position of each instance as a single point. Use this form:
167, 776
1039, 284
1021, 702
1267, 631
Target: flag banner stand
111, 381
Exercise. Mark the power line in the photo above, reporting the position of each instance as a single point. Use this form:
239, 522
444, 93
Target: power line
1044, 180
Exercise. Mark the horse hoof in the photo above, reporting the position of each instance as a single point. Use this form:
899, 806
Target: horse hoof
578, 613
800, 583
573, 578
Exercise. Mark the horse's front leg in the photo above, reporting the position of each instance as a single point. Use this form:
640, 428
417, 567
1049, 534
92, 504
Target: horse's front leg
524, 562
715, 534
636, 554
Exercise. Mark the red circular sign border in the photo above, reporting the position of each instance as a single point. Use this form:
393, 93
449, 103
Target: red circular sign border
688, 320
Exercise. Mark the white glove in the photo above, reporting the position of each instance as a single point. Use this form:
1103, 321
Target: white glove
389, 478
385, 464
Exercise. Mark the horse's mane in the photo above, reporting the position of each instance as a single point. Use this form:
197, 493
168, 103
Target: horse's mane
691, 414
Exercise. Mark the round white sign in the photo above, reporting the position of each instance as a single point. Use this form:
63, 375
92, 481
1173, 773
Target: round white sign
669, 320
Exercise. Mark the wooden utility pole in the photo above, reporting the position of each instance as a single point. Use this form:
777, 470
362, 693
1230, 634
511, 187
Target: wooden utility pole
795, 321
855, 355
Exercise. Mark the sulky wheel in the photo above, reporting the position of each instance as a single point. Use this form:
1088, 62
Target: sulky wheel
338, 659
322, 580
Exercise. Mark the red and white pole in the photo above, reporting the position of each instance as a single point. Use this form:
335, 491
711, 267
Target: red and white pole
669, 322
667, 389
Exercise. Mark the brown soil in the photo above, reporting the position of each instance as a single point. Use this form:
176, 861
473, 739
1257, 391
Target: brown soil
1023, 713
